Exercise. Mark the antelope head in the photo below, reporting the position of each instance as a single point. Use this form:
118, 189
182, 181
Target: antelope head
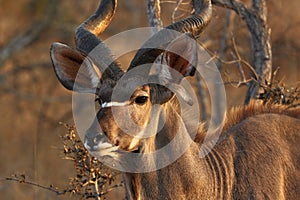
126, 120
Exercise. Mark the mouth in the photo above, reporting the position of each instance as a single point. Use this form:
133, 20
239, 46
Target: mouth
101, 146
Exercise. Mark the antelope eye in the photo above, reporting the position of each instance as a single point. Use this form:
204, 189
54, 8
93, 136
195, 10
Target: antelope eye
141, 100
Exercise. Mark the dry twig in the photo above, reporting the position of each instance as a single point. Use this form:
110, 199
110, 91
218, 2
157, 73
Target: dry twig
92, 180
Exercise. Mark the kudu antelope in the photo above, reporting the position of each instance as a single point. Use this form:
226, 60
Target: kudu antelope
256, 156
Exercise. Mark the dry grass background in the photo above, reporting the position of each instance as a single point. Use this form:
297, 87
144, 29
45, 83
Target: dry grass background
32, 102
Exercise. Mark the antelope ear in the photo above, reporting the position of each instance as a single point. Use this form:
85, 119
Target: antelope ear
75, 71
181, 59
178, 61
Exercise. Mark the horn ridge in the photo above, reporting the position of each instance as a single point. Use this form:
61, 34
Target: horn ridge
87, 33
194, 25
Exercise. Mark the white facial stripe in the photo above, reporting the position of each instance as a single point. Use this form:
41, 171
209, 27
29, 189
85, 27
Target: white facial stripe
114, 103
109, 152
104, 148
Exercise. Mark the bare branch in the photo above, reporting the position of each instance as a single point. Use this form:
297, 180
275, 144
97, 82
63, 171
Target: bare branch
22, 178
154, 11
239, 61
224, 39
175, 10
202, 97
256, 21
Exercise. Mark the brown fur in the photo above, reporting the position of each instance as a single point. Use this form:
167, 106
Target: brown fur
257, 157
237, 114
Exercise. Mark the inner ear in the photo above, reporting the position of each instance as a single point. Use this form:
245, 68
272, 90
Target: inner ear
180, 57
176, 62
74, 70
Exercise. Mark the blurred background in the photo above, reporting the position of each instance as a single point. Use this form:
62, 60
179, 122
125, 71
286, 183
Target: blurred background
32, 102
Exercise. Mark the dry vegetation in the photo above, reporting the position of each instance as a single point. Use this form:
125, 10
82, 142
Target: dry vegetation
33, 103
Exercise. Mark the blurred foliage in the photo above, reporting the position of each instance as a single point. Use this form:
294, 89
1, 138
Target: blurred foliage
276, 92
93, 179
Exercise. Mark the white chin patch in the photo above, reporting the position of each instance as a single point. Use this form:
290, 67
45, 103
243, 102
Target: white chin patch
103, 145
110, 151
102, 149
